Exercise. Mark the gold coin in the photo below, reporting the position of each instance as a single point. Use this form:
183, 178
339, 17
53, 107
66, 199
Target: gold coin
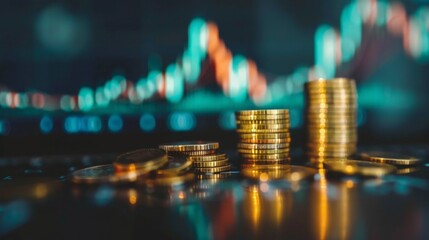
262, 126
330, 93
356, 167
258, 136
263, 122
266, 162
199, 153
107, 174
206, 158
263, 131
261, 117
213, 169
278, 172
148, 158
330, 146
256, 164
214, 176
330, 125
331, 82
167, 180
324, 95
262, 146
264, 112
407, 170
328, 155
390, 158
331, 150
263, 151
176, 166
266, 141
265, 157
338, 121
189, 146
217, 163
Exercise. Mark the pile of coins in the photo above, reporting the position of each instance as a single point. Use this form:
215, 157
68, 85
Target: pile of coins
331, 119
264, 137
203, 155
136, 166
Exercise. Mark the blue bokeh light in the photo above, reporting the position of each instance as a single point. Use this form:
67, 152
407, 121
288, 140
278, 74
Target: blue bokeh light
147, 122
46, 124
115, 123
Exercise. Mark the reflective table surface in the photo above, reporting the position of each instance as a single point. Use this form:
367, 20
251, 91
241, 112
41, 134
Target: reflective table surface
38, 201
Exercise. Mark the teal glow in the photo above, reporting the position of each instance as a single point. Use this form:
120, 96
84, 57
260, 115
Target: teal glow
66, 103
382, 8
198, 36
117, 85
196, 51
361, 117
103, 196
147, 122
153, 80
380, 96
22, 100
72, 124
91, 124
182, 121
351, 31
299, 77
141, 88
227, 120
239, 75
2, 127
86, 99
85, 124
100, 97
46, 124
296, 118
191, 66
3, 96
325, 52
115, 123
174, 83
419, 34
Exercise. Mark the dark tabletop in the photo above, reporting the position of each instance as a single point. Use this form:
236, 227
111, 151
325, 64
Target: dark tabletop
38, 201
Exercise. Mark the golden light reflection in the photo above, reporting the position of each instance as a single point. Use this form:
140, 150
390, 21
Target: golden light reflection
323, 213
256, 206
40, 190
181, 195
132, 196
263, 177
333, 208
267, 208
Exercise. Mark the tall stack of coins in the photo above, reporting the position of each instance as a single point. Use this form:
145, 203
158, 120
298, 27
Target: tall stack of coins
203, 155
264, 137
331, 119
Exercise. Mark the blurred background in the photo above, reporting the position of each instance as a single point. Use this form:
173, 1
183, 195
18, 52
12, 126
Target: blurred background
80, 76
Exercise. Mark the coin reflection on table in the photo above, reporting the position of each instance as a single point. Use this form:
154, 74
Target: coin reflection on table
333, 206
265, 205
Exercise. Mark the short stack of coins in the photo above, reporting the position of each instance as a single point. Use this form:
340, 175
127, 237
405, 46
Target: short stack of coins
264, 137
204, 155
331, 119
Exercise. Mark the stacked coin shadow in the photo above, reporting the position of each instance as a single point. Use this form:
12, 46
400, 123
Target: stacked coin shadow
330, 119
204, 155
264, 137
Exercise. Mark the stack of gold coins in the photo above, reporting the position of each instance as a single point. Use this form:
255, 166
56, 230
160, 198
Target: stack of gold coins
190, 148
331, 119
264, 137
203, 155
214, 163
